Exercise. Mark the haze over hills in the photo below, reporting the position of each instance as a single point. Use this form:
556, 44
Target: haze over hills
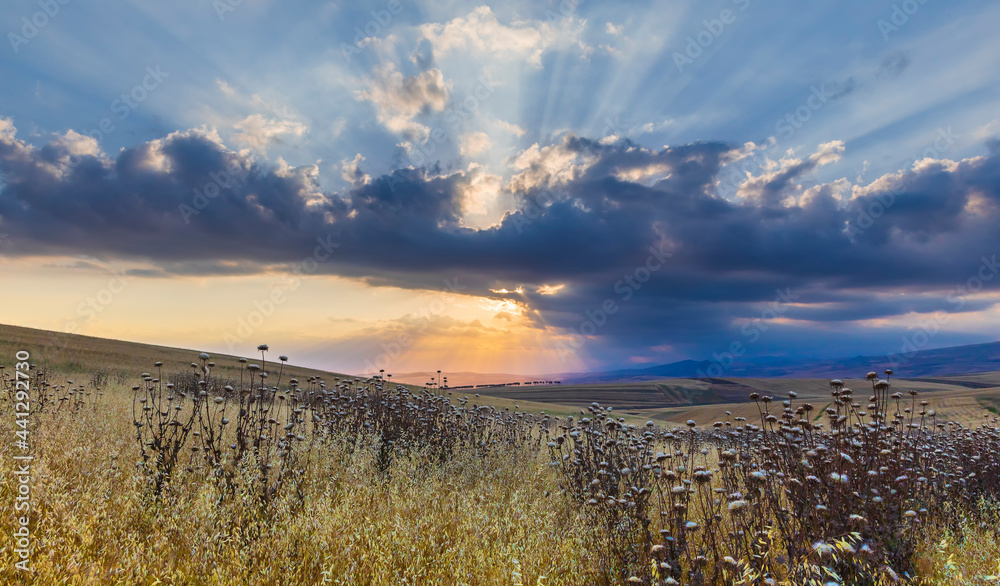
923, 363
951, 360
937, 362
456, 379
940, 375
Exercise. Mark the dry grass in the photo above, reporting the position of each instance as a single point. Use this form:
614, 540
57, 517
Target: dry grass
786, 499
963, 555
474, 520
445, 507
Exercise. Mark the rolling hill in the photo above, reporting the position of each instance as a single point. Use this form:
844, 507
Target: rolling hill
953, 360
966, 397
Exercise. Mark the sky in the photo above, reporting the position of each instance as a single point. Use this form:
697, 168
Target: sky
527, 187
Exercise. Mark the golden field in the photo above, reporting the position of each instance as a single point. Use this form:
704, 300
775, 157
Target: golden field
346, 515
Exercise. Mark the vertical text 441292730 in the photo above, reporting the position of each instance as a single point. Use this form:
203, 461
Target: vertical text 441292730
22, 459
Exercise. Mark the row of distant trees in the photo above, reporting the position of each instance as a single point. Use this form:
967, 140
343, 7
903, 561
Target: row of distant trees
527, 383
441, 382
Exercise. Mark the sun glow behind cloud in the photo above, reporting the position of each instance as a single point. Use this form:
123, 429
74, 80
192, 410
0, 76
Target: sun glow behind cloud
541, 178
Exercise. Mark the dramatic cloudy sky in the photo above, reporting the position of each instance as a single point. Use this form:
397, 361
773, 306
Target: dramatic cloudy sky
517, 187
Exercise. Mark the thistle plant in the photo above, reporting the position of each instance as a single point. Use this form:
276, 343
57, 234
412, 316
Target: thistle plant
785, 498
163, 418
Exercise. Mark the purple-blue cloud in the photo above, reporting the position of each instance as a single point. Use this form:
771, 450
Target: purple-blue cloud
607, 208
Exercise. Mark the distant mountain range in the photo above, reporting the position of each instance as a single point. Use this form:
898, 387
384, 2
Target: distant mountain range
953, 360
922, 363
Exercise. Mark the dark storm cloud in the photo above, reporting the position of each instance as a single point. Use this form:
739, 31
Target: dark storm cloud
715, 263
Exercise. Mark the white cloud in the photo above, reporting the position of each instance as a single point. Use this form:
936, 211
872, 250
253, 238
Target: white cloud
475, 143
644, 174
398, 99
482, 194
482, 32
547, 166
550, 289
756, 187
350, 170
78, 144
225, 88
511, 128
829, 152
258, 132
990, 130
7, 129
